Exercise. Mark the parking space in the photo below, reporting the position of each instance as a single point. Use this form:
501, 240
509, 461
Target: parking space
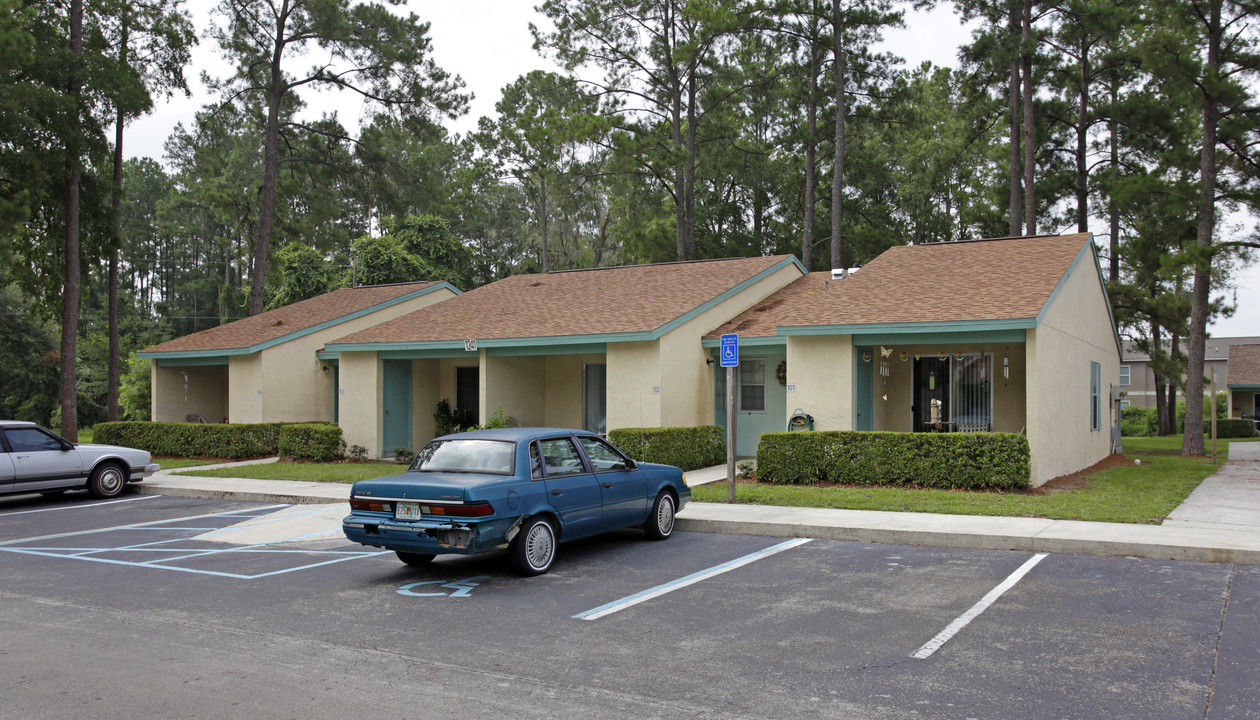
836, 628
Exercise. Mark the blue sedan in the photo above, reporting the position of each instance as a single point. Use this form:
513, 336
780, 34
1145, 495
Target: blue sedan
522, 489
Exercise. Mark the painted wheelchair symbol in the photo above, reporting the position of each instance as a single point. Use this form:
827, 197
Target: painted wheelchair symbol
462, 588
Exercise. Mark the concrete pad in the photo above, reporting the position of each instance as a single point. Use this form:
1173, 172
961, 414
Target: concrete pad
307, 522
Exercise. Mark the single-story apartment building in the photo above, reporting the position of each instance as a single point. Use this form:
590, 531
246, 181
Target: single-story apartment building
265, 368
1010, 335
1007, 335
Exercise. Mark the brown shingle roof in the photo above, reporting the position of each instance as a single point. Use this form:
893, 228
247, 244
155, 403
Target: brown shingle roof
637, 298
1244, 365
963, 281
275, 324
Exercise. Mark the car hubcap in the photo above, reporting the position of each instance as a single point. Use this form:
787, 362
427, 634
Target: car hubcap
111, 481
665, 515
539, 546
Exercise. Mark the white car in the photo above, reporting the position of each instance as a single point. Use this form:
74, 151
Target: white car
34, 459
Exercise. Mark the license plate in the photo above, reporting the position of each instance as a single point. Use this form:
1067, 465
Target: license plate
407, 511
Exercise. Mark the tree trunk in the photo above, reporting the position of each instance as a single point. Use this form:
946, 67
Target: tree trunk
689, 187
1113, 211
837, 178
1192, 443
1030, 200
811, 160
1082, 145
111, 383
1016, 164
68, 387
271, 162
542, 221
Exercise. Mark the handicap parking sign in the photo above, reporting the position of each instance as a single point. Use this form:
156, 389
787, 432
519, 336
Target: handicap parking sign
730, 351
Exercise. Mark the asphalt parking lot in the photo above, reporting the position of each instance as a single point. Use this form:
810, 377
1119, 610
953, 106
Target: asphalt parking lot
207, 602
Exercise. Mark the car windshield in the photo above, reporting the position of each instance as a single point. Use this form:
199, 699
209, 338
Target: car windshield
476, 456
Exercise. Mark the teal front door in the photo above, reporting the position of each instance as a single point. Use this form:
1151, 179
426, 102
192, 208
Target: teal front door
863, 389
396, 405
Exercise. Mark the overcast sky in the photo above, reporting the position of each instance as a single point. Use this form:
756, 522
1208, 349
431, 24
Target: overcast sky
487, 43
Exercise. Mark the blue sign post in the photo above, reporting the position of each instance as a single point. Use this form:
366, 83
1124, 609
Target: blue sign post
729, 355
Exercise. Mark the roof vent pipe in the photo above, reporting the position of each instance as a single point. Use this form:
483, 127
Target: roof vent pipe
841, 273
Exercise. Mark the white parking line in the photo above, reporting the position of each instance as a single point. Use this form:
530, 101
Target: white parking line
961, 621
622, 604
80, 505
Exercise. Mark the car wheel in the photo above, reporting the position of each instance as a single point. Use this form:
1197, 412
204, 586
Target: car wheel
107, 481
660, 524
415, 559
533, 550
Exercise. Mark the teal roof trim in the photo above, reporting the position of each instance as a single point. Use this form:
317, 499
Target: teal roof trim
203, 361
760, 341
941, 338
911, 328
1243, 386
304, 331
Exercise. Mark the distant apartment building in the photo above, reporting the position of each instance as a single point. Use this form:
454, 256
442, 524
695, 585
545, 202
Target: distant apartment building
1137, 379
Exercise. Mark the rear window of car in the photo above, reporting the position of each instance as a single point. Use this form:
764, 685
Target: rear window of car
474, 456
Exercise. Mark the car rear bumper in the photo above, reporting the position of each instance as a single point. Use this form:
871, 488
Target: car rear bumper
428, 536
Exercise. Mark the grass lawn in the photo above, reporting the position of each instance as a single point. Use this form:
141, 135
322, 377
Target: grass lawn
311, 472
1129, 493
175, 463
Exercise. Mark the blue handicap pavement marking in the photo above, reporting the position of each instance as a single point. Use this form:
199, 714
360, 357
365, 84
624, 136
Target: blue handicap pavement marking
462, 588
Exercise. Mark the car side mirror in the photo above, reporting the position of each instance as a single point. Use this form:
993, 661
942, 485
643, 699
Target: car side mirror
67, 446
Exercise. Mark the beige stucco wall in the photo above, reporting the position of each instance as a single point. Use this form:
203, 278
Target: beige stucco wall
518, 385
564, 398
426, 381
360, 416
177, 392
821, 367
1075, 331
245, 388
634, 368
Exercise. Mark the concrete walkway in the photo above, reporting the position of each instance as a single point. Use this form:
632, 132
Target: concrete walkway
1219, 522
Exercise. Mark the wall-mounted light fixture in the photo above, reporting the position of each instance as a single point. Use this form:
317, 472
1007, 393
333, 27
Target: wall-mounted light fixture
325, 368
708, 361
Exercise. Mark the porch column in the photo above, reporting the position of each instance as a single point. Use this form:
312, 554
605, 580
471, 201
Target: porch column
360, 396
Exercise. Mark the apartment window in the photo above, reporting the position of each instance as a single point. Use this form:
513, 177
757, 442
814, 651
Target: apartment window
1095, 396
1125, 378
752, 385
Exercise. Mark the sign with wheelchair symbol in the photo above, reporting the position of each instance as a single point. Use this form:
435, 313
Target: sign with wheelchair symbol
461, 588
730, 351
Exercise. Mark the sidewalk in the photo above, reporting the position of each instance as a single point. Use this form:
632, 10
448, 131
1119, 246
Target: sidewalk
1219, 522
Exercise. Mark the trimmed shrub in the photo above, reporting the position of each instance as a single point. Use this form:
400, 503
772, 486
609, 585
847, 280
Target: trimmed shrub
312, 441
197, 440
1233, 428
1139, 422
973, 461
689, 448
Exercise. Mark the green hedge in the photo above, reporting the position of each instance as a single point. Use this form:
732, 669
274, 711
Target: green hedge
1233, 428
1139, 422
196, 440
312, 441
689, 448
975, 461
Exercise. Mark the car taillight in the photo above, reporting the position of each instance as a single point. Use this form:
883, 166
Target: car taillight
477, 508
372, 505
